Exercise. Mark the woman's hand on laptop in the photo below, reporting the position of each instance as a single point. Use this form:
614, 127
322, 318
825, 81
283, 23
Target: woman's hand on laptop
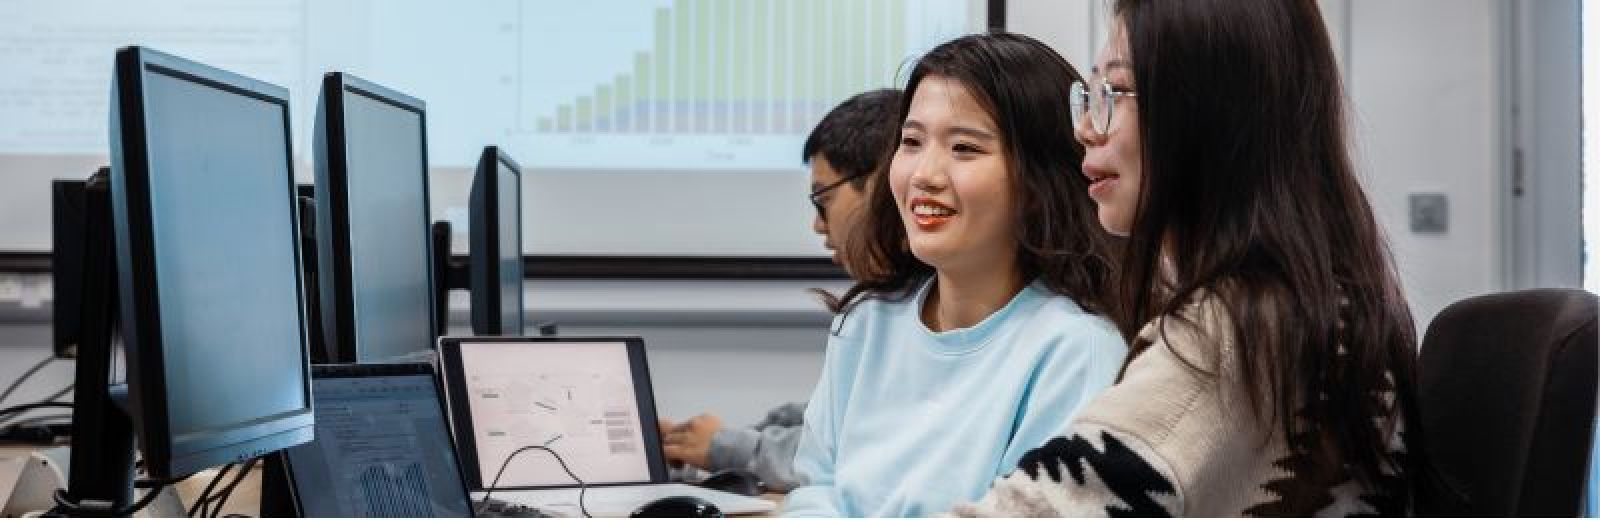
690, 442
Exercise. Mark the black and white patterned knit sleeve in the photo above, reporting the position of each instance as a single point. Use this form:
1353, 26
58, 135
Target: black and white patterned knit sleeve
1093, 471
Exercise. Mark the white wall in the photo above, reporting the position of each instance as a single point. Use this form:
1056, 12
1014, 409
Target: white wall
1427, 96
1423, 80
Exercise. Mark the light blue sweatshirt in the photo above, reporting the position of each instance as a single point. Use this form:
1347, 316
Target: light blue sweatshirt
907, 422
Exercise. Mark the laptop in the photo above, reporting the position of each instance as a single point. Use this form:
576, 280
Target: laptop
587, 400
382, 447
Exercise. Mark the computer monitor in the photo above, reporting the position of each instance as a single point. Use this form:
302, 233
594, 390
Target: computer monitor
207, 278
68, 237
374, 245
383, 447
306, 197
495, 221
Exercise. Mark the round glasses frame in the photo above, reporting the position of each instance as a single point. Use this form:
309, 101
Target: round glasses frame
1098, 105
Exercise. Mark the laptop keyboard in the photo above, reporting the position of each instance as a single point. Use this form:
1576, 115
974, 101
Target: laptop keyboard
496, 508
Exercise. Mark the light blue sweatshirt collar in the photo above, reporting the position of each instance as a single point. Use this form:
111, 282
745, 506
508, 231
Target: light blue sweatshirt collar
956, 342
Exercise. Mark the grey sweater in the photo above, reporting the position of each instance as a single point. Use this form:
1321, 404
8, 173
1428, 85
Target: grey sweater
766, 449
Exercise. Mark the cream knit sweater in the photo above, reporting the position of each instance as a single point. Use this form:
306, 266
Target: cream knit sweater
1170, 440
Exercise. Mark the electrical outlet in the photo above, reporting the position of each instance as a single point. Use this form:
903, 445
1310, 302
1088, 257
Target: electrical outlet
10, 288
1430, 213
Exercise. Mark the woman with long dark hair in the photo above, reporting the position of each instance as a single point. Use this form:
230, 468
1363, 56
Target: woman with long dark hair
1272, 365
977, 327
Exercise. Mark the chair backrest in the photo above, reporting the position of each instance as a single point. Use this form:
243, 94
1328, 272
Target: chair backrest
1507, 395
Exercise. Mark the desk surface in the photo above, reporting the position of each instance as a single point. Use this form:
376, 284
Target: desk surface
246, 499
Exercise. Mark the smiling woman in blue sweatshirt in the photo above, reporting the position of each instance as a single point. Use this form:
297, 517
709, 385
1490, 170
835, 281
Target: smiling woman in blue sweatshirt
976, 331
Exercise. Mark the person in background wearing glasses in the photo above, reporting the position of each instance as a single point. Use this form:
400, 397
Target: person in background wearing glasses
843, 151
976, 328
1273, 365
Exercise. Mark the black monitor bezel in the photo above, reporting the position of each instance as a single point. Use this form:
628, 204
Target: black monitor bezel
461, 411
164, 456
336, 290
484, 221
360, 370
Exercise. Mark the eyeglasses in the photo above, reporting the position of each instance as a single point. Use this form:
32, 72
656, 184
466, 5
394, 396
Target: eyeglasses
1096, 104
817, 197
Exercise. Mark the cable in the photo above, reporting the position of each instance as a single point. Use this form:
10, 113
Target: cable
33, 431
201, 500
58, 395
7, 411
581, 486
25, 376
63, 504
205, 495
227, 492
158, 482
65, 418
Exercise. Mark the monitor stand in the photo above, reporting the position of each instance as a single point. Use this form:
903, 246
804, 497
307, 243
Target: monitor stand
101, 472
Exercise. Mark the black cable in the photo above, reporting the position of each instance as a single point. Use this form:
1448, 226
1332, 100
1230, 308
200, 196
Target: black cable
74, 509
10, 412
144, 483
5, 415
36, 430
25, 375
201, 500
66, 418
226, 492
39, 421
581, 486
62, 393
4, 412
197, 509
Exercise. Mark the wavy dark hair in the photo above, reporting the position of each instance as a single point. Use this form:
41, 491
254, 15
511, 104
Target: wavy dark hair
1248, 184
1023, 86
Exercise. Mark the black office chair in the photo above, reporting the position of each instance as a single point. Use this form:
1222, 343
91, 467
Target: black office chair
1507, 384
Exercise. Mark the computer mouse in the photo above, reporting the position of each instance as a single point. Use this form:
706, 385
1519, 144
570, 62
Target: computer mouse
678, 507
736, 481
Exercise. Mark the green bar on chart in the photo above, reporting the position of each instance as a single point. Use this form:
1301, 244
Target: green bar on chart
897, 33
760, 66
817, 66
585, 114
854, 57
682, 48
652, 84
722, 61
700, 68
782, 63
742, 69
622, 109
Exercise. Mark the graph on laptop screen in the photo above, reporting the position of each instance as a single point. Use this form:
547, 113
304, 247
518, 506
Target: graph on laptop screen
576, 399
381, 451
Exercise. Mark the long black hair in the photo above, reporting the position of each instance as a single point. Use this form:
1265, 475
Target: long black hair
1023, 86
1249, 188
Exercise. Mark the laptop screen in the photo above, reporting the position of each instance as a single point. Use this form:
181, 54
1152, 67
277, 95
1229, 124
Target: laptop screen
382, 449
578, 398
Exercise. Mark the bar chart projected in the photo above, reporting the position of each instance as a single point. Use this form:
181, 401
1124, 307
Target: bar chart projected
714, 83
